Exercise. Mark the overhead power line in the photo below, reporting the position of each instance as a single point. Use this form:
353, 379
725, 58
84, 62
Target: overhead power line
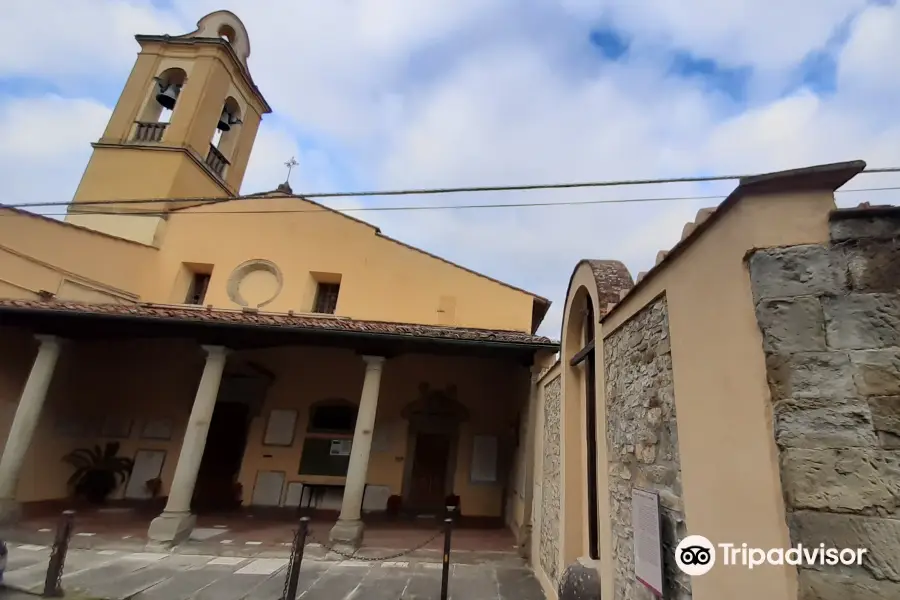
322, 209
431, 191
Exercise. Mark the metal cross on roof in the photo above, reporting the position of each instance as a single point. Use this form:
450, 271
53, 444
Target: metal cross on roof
290, 165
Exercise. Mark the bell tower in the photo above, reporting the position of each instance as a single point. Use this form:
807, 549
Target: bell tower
182, 128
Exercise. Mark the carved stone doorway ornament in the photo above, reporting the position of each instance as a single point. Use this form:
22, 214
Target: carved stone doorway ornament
440, 406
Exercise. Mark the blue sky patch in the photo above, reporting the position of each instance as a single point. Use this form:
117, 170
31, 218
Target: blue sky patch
609, 42
732, 81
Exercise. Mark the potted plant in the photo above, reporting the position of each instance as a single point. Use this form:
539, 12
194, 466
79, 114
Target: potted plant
394, 503
153, 486
238, 494
98, 471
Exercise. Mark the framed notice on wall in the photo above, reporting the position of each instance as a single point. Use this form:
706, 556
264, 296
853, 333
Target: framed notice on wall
340, 447
484, 459
157, 429
117, 427
280, 428
648, 565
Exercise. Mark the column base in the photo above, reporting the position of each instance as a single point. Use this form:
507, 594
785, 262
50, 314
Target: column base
524, 541
346, 535
10, 511
170, 529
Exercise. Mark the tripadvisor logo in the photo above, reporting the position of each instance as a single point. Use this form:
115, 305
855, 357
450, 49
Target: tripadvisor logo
696, 555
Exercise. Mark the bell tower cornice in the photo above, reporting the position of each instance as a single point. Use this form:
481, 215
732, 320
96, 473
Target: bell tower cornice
146, 41
183, 127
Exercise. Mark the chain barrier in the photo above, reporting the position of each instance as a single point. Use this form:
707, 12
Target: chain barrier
53, 581
302, 534
400, 554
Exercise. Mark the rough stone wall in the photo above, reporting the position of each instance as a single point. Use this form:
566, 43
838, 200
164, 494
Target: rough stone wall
830, 319
550, 480
642, 441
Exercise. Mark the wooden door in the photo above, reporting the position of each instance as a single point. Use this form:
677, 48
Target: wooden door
222, 457
428, 479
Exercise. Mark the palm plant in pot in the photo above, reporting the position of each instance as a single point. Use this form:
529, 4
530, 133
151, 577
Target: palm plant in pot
98, 471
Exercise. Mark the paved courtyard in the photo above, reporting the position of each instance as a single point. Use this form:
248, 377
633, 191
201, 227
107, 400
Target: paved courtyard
112, 574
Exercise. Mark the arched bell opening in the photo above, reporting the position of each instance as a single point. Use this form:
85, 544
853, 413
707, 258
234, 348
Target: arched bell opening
164, 94
227, 33
225, 136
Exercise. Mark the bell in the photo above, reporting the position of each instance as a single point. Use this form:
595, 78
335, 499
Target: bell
225, 121
168, 95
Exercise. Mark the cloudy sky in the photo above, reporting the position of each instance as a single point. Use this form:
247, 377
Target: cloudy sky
388, 94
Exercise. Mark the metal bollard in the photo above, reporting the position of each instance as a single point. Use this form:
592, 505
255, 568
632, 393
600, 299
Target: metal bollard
53, 582
296, 558
445, 572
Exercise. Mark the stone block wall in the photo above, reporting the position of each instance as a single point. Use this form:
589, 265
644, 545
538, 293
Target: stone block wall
551, 473
830, 319
642, 442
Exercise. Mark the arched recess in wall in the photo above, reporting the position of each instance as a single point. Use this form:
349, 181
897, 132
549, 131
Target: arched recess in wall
594, 285
225, 141
162, 97
580, 417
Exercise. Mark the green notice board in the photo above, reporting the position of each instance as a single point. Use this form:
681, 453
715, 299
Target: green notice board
325, 456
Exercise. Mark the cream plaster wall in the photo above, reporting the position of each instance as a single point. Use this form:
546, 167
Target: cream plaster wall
539, 511
732, 491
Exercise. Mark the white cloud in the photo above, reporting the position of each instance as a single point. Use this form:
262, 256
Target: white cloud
76, 38
418, 93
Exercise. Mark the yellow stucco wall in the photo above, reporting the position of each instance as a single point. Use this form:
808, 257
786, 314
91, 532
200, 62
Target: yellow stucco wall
38, 253
381, 279
730, 477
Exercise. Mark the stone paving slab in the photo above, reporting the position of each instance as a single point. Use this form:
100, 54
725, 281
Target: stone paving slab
114, 575
216, 547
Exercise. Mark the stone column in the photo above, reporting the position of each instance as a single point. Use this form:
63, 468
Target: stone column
348, 530
24, 423
176, 522
530, 457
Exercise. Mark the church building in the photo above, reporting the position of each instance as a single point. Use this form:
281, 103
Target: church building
257, 351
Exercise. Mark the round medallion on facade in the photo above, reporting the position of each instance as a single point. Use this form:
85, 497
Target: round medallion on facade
255, 283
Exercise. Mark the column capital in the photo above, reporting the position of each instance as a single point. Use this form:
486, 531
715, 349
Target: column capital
50, 340
373, 362
216, 351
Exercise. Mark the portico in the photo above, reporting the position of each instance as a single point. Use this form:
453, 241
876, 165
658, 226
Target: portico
141, 369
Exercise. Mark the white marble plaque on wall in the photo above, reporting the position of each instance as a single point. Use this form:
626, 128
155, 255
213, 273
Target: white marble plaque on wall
381, 437
148, 465
157, 429
267, 491
71, 427
280, 428
117, 427
294, 494
484, 459
375, 498
648, 567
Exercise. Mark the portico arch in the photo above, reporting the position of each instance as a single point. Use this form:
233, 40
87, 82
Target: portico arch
585, 492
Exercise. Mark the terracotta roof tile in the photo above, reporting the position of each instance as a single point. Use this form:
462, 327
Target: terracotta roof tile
292, 321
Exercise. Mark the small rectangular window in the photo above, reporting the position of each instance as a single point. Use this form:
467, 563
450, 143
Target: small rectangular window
326, 298
197, 290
